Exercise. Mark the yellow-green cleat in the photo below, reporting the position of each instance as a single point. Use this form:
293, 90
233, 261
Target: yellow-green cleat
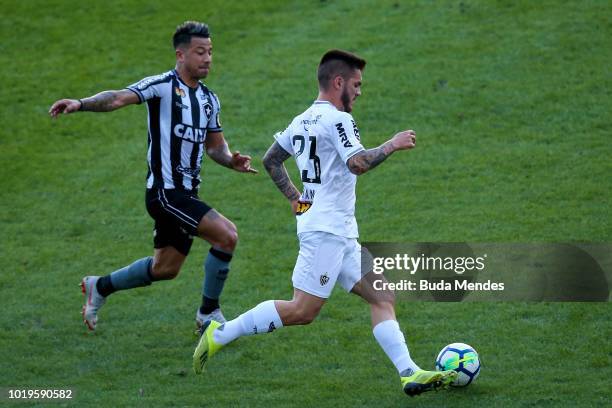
415, 383
206, 347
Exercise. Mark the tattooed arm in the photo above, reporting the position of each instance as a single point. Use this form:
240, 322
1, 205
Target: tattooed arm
102, 102
273, 162
368, 159
217, 149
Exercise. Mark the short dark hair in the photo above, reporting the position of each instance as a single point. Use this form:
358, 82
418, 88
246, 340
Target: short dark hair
189, 29
338, 62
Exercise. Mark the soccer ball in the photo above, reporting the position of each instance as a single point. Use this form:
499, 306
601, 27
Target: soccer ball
461, 358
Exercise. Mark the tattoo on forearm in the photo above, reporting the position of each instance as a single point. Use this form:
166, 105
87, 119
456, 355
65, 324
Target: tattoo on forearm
102, 102
368, 159
273, 162
283, 182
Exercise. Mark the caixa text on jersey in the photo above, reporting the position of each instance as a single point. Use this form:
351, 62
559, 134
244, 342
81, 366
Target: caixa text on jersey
190, 133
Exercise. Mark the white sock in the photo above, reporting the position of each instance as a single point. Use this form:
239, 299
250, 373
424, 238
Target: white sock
263, 318
391, 339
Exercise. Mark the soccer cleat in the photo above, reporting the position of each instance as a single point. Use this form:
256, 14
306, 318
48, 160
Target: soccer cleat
202, 318
206, 347
93, 301
415, 383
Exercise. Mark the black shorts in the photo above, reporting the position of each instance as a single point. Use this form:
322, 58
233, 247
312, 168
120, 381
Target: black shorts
177, 214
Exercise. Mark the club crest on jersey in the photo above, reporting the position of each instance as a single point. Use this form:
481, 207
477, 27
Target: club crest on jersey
207, 108
323, 279
302, 207
179, 92
342, 135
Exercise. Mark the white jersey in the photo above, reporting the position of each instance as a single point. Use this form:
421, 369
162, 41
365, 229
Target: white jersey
322, 139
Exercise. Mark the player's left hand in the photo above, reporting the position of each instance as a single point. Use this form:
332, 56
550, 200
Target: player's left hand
65, 106
242, 163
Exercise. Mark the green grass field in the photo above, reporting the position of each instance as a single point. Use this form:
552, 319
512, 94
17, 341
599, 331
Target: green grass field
511, 102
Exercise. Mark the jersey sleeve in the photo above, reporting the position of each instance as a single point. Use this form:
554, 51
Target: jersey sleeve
284, 140
148, 87
214, 123
346, 136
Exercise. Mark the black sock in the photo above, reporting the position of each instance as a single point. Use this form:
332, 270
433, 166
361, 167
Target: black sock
208, 305
105, 286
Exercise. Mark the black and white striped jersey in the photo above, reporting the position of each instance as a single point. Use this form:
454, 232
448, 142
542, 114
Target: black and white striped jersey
179, 118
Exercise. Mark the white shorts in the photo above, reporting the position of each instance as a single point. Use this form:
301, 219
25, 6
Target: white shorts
325, 259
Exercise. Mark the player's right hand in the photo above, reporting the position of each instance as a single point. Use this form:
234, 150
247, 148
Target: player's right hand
404, 140
64, 106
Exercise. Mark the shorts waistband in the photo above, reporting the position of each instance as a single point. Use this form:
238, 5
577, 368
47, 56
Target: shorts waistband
178, 190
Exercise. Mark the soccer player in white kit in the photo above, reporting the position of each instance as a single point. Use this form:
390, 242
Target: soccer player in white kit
325, 142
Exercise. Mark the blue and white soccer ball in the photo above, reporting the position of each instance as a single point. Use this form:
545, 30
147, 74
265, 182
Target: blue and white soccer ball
463, 359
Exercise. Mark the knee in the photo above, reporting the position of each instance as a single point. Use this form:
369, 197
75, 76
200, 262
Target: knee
229, 240
164, 271
384, 299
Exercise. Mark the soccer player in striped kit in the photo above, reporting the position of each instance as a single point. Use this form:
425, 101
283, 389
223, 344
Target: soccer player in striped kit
183, 124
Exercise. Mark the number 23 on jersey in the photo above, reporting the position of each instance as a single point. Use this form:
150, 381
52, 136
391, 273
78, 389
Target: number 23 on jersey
310, 166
